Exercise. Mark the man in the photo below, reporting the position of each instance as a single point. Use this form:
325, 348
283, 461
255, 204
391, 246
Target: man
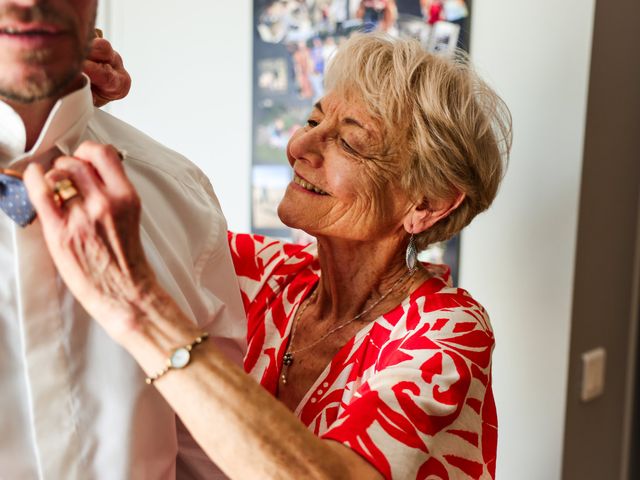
75, 406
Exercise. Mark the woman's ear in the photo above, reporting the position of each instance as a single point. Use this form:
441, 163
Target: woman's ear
426, 214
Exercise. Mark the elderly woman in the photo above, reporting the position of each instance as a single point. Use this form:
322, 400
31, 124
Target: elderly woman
370, 364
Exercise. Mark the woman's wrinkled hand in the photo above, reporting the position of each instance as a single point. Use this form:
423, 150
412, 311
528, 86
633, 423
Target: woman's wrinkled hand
109, 79
94, 236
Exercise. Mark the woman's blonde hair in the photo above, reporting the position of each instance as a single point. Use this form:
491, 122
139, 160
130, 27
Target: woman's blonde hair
450, 129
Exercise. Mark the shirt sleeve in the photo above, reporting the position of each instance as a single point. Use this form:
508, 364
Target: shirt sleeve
428, 411
199, 268
216, 305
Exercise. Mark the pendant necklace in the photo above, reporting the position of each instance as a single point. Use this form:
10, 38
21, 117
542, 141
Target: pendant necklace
288, 358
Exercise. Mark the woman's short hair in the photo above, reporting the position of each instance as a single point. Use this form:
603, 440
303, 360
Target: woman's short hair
450, 130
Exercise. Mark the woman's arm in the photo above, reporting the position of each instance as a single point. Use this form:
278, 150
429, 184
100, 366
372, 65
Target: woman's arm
94, 240
244, 429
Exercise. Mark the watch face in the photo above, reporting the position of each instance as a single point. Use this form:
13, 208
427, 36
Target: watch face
180, 358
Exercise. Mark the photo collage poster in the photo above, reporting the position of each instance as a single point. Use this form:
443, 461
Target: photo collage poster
293, 41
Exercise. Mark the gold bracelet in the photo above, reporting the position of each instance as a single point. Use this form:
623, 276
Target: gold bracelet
178, 358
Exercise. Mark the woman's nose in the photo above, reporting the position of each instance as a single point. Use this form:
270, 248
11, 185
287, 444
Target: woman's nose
308, 145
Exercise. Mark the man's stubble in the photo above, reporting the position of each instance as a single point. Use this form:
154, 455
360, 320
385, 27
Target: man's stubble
44, 82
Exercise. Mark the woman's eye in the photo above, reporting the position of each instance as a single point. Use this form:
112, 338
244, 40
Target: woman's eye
347, 147
312, 123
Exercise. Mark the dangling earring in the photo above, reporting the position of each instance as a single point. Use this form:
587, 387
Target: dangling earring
412, 254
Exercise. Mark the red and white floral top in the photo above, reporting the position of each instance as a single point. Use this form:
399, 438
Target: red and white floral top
411, 392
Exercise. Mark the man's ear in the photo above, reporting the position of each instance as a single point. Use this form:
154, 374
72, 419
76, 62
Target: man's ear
426, 214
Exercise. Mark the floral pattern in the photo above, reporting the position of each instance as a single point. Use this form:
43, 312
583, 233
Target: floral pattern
410, 392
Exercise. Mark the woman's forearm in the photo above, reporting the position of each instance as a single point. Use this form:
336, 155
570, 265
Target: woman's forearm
242, 428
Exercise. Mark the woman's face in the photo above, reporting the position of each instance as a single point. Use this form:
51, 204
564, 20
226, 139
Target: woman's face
340, 188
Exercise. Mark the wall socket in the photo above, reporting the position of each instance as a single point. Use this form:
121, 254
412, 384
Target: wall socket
593, 373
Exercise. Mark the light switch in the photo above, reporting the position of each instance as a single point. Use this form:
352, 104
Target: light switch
593, 370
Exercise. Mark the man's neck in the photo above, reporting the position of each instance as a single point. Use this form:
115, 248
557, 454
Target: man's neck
34, 115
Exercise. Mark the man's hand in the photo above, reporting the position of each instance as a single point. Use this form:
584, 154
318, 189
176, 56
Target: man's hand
109, 79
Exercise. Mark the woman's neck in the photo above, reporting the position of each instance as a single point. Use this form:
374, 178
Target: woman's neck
357, 274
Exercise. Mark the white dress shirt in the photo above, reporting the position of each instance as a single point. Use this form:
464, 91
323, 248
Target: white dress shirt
74, 404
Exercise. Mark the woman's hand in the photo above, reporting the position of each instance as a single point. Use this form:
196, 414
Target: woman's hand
109, 79
94, 237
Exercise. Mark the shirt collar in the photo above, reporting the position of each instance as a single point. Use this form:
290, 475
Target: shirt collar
63, 129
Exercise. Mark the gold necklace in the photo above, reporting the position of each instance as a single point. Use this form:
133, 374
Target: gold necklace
287, 359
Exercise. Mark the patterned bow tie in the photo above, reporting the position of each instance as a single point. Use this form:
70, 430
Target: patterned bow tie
14, 200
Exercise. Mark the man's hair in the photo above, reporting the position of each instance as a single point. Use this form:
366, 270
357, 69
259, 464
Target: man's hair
446, 129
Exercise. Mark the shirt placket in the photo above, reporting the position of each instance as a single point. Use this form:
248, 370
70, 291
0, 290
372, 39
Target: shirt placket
45, 357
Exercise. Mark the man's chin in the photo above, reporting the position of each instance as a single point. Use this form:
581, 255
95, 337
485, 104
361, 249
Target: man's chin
36, 86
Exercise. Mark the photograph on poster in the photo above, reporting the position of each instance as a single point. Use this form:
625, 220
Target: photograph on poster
268, 185
293, 43
272, 75
273, 129
443, 38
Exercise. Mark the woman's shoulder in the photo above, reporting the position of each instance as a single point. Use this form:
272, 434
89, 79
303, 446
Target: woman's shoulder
259, 249
437, 297
259, 260
437, 313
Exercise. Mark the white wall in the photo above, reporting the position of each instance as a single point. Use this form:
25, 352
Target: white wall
191, 66
190, 62
518, 258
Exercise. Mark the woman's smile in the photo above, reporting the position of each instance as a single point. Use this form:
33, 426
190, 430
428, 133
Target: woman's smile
307, 185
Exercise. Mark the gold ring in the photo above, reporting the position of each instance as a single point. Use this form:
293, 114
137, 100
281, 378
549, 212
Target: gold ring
64, 190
